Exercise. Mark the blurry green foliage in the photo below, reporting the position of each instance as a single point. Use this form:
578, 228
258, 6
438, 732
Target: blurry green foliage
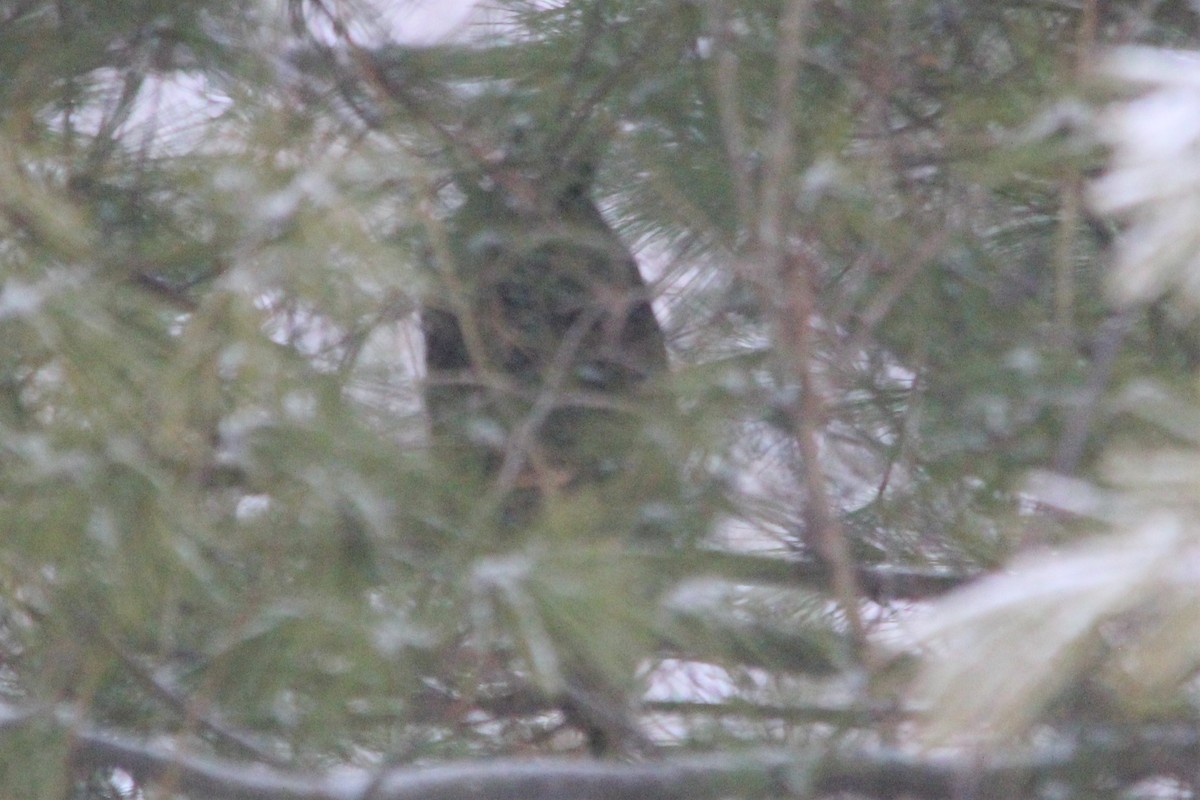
215, 474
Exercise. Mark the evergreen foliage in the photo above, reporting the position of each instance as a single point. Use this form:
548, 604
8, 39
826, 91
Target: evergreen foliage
772, 397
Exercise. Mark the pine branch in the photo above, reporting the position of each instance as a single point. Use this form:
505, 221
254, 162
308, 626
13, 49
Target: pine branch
870, 772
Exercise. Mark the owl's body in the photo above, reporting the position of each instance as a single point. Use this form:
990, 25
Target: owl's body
538, 357
551, 331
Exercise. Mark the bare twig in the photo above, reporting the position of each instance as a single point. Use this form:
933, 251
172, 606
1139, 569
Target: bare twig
396, 306
189, 711
733, 128
886, 298
520, 444
1079, 423
779, 146
570, 134
788, 281
826, 533
89, 625
593, 26
1071, 191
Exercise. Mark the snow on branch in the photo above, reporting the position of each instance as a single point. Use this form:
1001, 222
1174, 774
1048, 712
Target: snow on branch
1154, 180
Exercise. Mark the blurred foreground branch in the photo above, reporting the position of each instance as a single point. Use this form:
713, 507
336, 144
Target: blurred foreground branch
759, 773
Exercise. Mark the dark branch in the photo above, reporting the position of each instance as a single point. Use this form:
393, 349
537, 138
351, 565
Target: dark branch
1124, 756
879, 582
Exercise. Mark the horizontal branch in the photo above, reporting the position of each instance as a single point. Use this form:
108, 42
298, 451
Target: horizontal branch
436, 705
879, 582
1120, 756
753, 775
843, 716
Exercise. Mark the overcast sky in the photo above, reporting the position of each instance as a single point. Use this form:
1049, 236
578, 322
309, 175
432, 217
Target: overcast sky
425, 21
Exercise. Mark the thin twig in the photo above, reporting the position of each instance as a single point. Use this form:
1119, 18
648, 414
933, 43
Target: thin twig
189, 710
788, 282
733, 129
1080, 421
826, 533
891, 293
520, 444
779, 146
651, 38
